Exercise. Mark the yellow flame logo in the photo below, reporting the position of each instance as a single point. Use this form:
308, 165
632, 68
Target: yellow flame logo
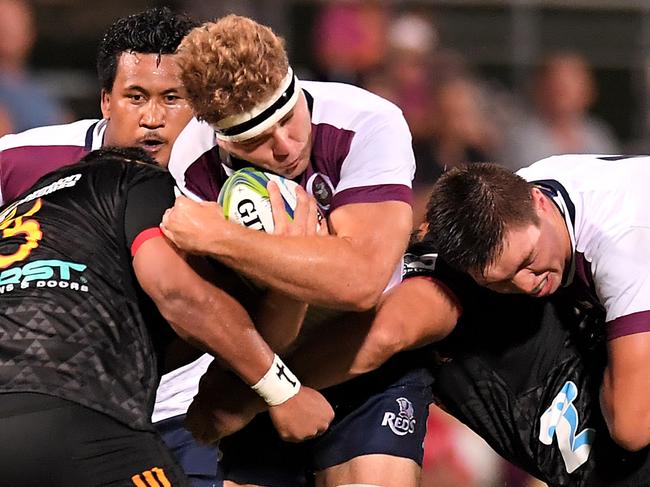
13, 225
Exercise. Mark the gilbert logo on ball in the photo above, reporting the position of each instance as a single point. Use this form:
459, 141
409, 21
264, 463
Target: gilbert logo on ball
245, 198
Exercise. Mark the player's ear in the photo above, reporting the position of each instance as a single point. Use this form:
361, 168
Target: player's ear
540, 202
223, 144
106, 103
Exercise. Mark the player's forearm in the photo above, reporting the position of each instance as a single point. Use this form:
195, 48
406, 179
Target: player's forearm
628, 423
199, 312
344, 350
279, 320
326, 271
415, 313
209, 318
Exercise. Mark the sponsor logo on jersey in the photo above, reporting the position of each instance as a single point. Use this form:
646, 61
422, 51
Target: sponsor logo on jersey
561, 420
403, 422
415, 264
322, 189
44, 273
47, 273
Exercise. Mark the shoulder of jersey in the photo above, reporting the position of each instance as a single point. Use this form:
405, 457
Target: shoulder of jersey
54, 135
244, 198
350, 97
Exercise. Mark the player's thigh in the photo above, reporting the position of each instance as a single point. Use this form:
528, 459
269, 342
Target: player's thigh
371, 470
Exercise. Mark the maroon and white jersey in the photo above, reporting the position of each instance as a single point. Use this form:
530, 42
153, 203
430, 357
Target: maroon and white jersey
605, 202
29, 155
361, 151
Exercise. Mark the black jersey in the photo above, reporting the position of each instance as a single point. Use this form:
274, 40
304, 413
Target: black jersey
524, 373
72, 322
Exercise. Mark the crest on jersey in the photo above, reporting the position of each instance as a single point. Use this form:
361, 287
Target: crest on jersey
322, 189
402, 422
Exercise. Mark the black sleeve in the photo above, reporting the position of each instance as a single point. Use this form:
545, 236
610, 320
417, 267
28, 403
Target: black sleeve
146, 202
422, 260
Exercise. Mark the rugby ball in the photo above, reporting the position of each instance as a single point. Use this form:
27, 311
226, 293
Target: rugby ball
244, 198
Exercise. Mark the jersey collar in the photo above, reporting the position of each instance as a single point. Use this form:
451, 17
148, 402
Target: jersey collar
560, 197
95, 135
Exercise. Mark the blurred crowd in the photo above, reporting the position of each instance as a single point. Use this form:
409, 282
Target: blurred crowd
24, 103
455, 116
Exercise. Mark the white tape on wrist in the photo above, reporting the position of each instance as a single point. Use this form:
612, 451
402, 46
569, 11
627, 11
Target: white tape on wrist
278, 384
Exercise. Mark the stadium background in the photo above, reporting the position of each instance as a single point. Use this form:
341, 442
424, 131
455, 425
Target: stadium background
429, 56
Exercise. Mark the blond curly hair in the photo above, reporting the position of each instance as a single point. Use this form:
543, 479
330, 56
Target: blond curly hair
231, 65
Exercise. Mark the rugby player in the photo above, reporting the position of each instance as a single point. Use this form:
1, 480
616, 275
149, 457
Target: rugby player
143, 104
523, 373
351, 151
81, 251
578, 219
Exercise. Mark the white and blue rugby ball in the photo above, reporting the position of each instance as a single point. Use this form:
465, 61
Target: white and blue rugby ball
244, 198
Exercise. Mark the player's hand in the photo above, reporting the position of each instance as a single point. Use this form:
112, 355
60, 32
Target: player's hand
306, 216
192, 225
304, 416
223, 406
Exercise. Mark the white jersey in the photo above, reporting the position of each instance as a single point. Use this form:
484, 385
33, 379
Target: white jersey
360, 141
27, 156
605, 201
361, 153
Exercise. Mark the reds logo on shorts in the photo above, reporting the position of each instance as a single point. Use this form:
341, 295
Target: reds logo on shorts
403, 422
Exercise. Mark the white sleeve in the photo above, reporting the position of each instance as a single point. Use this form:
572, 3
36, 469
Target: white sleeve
195, 139
621, 273
380, 154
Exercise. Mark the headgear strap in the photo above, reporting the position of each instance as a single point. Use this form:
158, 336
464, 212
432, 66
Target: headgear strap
242, 126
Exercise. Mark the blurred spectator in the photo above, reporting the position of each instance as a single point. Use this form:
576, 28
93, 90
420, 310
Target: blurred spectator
27, 104
204, 11
461, 133
6, 127
443, 105
454, 456
405, 76
350, 39
563, 91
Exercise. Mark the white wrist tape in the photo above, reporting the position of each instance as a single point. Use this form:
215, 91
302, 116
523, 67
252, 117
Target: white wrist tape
278, 384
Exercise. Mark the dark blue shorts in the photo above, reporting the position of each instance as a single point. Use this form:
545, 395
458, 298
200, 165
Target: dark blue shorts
199, 462
383, 412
